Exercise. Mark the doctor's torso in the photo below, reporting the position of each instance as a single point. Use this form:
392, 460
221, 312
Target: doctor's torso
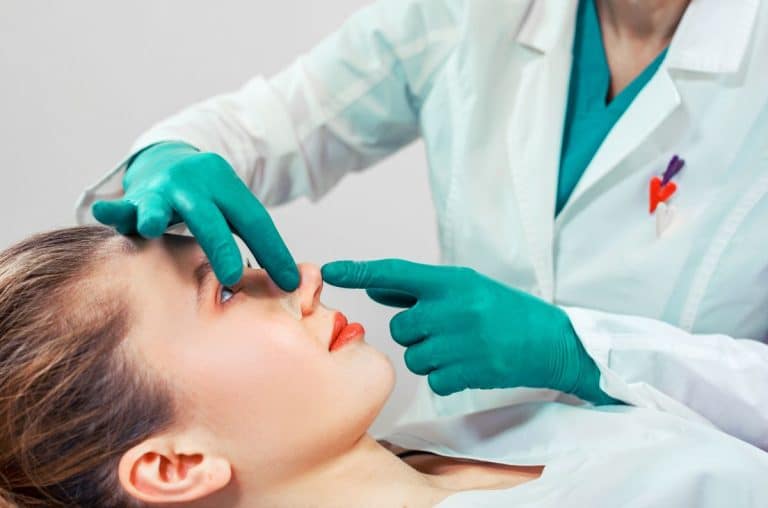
492, 124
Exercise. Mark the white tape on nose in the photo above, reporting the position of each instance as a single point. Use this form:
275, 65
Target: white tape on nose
292, 306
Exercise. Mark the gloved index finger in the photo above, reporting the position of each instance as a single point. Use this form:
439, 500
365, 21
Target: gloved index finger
253, 224
404, 276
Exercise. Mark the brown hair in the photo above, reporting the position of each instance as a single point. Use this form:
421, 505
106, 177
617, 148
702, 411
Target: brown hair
71, 399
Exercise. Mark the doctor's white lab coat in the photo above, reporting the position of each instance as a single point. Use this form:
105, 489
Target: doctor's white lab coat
677, 320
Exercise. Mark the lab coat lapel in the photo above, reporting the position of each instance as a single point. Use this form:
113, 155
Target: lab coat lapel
650, 109
536, 122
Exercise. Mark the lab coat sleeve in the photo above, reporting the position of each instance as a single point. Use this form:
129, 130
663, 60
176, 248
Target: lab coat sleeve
347, 103
708, 377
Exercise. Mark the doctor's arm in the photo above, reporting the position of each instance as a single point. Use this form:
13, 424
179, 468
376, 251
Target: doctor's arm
217, 165
463, 330
349, 102
649, 363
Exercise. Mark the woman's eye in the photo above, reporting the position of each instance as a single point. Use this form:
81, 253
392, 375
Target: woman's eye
225, 294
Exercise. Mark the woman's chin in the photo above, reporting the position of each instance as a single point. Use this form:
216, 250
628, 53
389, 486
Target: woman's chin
374, 373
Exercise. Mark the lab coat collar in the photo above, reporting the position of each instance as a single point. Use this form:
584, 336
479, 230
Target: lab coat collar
544, 24
712, 37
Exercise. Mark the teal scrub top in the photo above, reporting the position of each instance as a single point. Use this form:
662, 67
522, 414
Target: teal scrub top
589, 118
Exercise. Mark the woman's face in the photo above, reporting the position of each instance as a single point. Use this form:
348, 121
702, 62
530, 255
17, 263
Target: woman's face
252, 370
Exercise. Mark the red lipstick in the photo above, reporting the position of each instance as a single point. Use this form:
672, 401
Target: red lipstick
344, 332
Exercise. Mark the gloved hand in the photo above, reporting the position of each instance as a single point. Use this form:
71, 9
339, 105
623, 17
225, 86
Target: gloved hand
465, 330
172, 182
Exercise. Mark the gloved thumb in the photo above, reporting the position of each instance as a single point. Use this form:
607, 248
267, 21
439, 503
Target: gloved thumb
391, 297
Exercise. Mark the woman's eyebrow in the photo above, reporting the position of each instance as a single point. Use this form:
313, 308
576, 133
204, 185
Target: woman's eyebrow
202, 272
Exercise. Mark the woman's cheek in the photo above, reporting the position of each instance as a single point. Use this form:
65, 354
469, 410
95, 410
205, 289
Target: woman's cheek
269, 335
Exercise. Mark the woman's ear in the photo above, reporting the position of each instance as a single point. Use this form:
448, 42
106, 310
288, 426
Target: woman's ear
154, 471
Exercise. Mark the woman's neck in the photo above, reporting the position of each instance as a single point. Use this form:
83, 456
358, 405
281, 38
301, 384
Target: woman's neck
368, 475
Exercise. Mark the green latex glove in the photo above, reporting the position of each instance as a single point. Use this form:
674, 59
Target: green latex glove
173, 182
465, 330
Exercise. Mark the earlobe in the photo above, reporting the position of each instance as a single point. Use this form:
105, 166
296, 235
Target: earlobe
154, 472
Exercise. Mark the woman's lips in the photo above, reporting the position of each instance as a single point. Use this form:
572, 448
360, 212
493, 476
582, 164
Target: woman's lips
344, 332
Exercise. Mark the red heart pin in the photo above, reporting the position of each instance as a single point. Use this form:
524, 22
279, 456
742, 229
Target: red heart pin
659, 193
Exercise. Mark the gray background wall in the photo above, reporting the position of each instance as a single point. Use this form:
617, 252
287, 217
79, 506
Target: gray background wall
80, 79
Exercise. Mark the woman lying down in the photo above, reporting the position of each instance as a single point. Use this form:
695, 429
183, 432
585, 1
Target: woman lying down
129, 377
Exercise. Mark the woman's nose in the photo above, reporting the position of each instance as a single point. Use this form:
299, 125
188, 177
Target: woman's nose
310, 287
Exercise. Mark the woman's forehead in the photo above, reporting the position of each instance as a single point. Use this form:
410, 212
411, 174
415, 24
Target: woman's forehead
178, 247
174, 255
179, 241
